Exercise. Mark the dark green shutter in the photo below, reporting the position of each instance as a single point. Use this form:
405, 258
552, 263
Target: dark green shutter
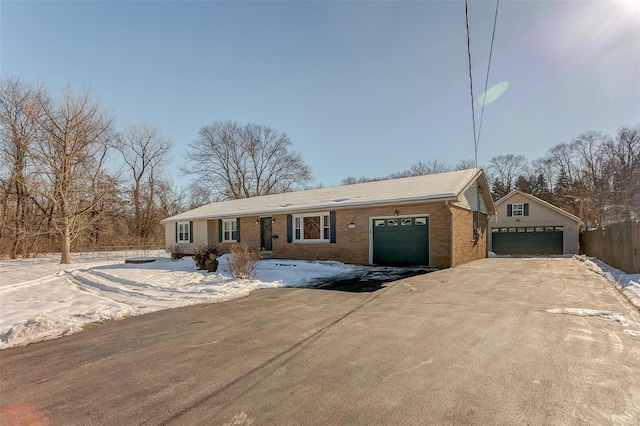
238, 229
219, 230
526, 209
509, 210
176, 232
190, 231
289, 228
332, 227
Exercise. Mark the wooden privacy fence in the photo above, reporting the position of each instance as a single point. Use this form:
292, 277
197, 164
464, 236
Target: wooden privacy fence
617, 245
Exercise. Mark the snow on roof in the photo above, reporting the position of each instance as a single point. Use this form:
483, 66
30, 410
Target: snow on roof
441, 186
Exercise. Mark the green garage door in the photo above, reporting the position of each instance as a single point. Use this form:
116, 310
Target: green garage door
401, 241
530, 240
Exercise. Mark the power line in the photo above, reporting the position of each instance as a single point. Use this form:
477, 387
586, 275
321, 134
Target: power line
486, 81
473, 109
476, 137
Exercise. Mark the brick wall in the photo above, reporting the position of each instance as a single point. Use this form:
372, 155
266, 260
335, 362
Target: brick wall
352, 244
464, 248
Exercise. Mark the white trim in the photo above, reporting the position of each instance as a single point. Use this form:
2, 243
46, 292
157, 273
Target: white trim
371, 226
520, 209
321, 216
234, 229
186, 232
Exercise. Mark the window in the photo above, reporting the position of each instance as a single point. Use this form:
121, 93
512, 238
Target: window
184, 232
392, 222
379, 222
405, 222
421, 221
229, 230
518, 209
311, 227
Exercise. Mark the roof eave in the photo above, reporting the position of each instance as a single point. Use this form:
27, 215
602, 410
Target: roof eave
403, 201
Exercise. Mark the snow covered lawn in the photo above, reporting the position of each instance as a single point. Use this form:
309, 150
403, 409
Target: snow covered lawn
628, 284
41, 299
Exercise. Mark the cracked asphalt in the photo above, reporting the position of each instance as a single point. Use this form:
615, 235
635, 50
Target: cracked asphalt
495, 341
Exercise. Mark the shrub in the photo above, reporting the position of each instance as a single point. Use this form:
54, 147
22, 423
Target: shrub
206, 259
242, 261
177, 251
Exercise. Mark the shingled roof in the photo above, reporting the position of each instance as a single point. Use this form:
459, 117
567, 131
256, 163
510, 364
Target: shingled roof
435, 187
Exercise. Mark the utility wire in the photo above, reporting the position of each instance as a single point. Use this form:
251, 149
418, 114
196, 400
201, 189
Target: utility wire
486, 81
473, 109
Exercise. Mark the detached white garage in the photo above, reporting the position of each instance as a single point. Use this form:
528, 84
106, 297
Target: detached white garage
527, 225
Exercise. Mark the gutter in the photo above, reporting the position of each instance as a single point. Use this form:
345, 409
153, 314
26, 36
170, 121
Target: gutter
294, 210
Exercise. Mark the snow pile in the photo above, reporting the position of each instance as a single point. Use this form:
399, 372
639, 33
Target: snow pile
41, 299
614, 316
628, 284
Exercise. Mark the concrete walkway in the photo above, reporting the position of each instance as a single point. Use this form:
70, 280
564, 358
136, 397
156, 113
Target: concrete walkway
475, 344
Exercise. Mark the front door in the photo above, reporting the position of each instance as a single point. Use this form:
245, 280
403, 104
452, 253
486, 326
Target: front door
265, 233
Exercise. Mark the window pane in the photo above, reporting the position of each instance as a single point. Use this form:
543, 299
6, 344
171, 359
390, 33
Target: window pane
297, 234
421, 220
392, 222
379, 222
311, 228
326, 233
518, 209
405, 222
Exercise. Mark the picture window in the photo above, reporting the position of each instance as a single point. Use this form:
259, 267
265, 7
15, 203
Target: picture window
311, 227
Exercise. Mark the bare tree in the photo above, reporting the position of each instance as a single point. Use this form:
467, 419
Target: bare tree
429, 168
18, 109
504, 170
592, 186
624, 163
236, 161
144, 151
465, 164
69, 160
171, 201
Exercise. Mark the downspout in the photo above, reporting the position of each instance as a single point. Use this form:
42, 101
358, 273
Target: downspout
446, 203
478, 227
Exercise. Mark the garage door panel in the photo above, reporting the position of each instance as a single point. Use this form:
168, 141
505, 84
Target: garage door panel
527, 242
402, 243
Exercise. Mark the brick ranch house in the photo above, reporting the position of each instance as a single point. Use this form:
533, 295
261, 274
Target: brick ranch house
429, 220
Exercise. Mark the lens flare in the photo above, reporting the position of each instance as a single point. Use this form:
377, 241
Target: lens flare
493, 93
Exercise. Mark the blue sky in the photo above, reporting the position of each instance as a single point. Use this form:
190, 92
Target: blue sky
362, 88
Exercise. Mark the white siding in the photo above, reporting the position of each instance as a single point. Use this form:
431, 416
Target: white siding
539, 215
199, 236
469, 200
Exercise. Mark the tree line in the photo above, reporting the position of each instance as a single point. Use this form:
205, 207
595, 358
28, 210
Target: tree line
595, 176
70, 179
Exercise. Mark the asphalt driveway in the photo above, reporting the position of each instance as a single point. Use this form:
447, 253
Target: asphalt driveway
495, 341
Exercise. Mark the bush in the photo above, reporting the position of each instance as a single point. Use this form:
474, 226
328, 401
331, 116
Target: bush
206, 259
242, 261
177, 251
